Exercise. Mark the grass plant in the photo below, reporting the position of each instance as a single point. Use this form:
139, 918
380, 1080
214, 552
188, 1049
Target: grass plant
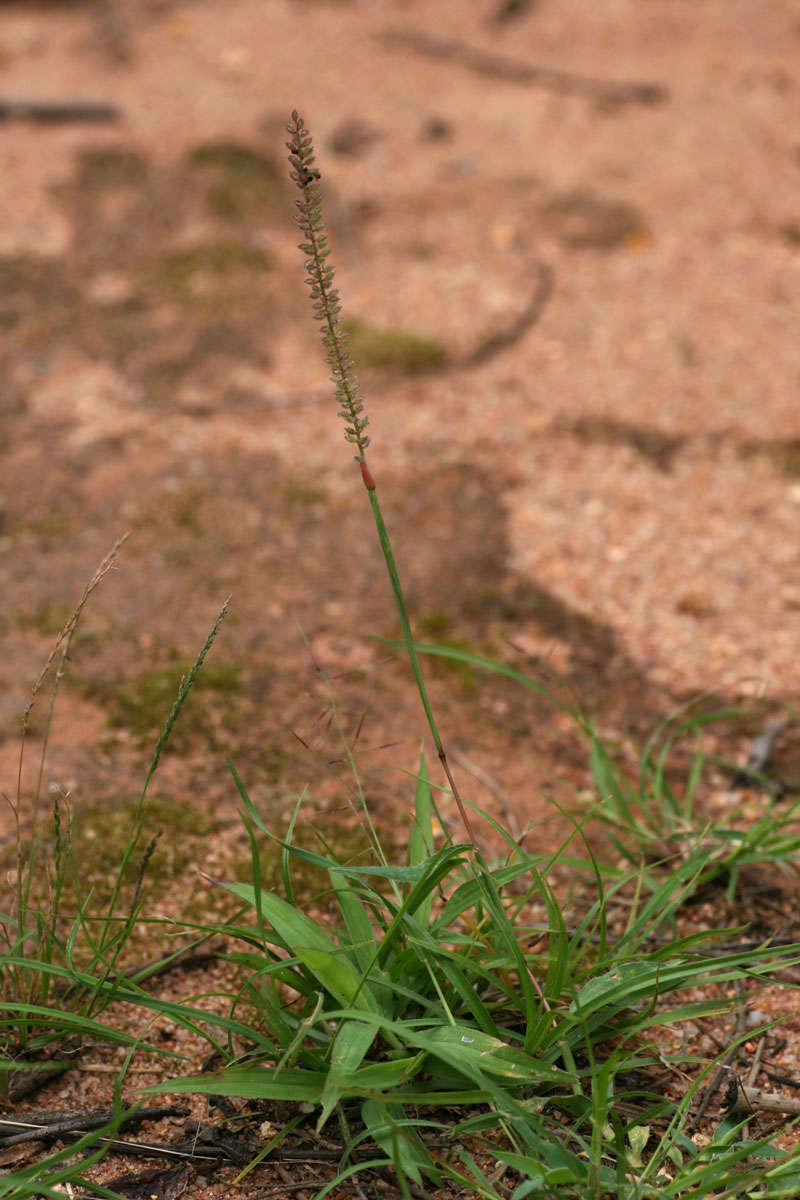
450, 1020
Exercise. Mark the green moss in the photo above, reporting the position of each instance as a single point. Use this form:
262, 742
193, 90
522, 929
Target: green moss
299, 493
49, 618
48, 526
433, 624
111, 166
242, 181
393, 350
218, 275
100, 836
102, 832
232, 157
143, 705
346, 844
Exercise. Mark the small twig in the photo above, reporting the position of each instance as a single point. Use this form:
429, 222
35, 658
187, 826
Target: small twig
513, 71
752, 1076
786, 1080
494, 787
724, 1067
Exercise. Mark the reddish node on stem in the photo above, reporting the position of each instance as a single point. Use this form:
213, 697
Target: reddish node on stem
366, 475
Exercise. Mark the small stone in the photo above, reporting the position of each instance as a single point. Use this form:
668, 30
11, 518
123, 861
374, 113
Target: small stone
437, 129
109, 288
353, 138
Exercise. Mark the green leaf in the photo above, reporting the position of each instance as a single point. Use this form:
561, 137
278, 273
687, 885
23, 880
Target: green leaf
251, 1083
293, 927
353, 1040
394, 1133
338, 976
489, 1054
363, 947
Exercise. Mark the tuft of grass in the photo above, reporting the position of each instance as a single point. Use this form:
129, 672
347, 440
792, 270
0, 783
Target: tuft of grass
650, 818
418, 1015
46, 995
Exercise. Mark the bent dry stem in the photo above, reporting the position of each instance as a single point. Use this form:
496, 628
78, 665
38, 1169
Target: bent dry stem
327, 309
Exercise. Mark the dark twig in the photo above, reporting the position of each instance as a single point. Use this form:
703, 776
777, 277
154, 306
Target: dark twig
47, 1127
723, 1070
509, 69
57, 112
786, 1080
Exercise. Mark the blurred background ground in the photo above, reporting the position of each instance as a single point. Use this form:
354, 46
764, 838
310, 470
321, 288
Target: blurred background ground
568, 237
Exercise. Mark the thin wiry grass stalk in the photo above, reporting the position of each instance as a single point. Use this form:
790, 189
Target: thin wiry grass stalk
25, 869
61, 651
183, 693
327, 309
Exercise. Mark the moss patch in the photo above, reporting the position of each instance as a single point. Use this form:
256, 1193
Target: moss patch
219, 275
143, 705
586, 221
298, 493
346, 843
93, 855
437, 628
48, 619
241, 182
393, 350
111, 166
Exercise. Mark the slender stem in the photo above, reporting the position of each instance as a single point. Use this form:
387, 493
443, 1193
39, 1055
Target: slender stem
391, 566
320, 279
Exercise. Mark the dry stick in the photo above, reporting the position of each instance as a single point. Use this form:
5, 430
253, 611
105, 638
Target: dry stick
513, 71
44, 1127
760, 752
750, 1099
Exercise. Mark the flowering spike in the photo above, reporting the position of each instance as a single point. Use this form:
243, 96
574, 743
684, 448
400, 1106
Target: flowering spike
325, 297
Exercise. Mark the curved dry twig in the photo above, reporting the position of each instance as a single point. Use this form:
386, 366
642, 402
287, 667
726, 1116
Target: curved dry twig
493, 343
513, 71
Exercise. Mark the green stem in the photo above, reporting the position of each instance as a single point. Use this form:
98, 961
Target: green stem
408, 637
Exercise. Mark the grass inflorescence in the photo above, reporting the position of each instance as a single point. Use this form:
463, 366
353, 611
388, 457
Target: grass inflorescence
447, 1019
